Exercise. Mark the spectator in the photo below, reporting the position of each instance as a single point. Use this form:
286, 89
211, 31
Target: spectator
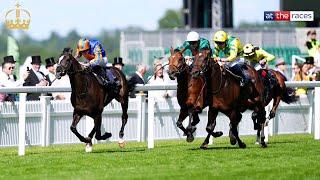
137, 78
50, 66
298, 76
281, 67
311, 68
317, 57
8, 79
35, 78
312, 43
117, 62
158, 78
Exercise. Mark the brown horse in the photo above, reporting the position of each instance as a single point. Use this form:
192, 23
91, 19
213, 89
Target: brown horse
89, 97
225, 95
180, 70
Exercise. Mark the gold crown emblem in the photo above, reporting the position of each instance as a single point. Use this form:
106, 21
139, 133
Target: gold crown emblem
21, 20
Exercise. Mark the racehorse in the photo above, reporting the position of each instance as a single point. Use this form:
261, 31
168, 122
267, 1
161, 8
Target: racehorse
278, 92
225, 95
89, 97
180, 70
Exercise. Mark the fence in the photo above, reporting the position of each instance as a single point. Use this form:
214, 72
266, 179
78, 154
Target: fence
47, 122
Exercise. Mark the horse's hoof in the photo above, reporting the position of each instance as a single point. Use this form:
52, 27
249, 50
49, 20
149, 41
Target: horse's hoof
106, 136
89, 147
233, 141
204, 146
217, 134
257, 143
272, 114
88, 140
121, 143
190, 138
242, 145
264, 145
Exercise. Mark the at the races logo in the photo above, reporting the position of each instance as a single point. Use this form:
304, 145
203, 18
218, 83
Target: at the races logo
288, 15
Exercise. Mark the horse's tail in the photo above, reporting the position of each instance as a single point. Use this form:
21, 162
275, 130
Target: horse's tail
289, 96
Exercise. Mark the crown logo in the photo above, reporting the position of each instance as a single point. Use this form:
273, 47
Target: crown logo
18, 20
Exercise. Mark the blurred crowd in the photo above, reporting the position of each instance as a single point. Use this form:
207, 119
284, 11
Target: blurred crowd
308, 70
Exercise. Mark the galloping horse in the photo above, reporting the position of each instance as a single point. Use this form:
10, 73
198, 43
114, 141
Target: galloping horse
180, 70
89, 97
278, 92
224, 95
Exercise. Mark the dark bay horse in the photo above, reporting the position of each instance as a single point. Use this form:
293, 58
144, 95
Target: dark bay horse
180, 70
225, 95
89, 97
277, 93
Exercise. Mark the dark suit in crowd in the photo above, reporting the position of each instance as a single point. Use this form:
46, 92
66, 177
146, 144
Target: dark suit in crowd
133, 81
33, 79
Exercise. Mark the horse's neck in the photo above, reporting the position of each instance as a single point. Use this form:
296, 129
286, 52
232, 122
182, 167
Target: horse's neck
183, 78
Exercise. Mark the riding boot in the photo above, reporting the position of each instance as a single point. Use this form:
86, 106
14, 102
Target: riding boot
113, 82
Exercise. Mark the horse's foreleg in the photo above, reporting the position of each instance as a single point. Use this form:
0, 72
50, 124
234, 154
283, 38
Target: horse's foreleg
235, 119
190, 131
261, 122
211, 124
73, 127
182, 116
97, 126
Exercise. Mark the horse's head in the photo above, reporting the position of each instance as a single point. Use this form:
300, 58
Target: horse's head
200, 64
176, 63
64, 64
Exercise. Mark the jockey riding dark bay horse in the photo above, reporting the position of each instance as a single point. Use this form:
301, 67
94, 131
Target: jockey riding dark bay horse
180, 70
219, 88
274, 81
89, 97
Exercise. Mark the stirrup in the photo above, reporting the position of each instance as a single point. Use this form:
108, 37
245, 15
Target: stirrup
241, 83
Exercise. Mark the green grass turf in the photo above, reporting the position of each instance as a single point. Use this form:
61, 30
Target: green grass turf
287, 157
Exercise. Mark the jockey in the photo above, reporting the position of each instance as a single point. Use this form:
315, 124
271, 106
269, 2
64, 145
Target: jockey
259, 58
194, 43
228, 49
93, 51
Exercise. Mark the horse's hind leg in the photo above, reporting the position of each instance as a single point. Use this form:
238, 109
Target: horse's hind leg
276, 102
73, 128
124, 119
235, 119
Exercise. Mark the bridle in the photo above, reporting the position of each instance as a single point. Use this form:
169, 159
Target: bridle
207, 64
180, 69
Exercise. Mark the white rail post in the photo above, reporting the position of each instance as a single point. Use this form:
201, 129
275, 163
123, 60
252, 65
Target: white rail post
141, 115
45, 120
22, 124
317, 113
150, 122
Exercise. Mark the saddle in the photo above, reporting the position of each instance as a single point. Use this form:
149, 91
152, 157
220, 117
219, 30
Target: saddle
269, 82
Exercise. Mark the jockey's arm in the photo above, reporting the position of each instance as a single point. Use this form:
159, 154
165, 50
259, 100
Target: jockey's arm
234, 47
267, 56
98, 56
185, 45
233, 54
